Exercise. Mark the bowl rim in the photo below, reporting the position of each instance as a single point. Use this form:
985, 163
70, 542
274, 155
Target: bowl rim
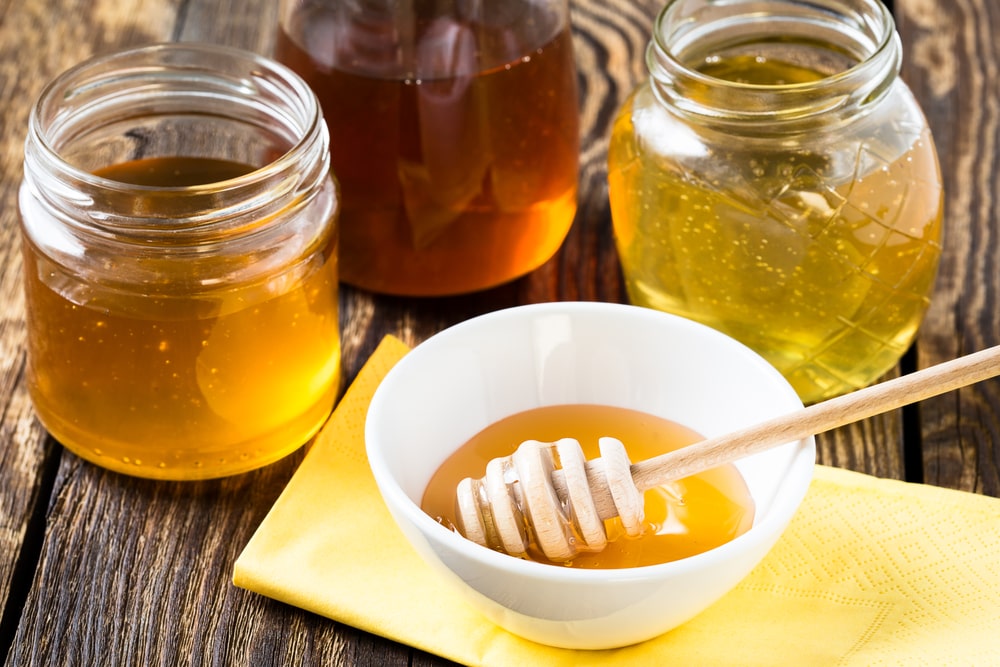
793, 487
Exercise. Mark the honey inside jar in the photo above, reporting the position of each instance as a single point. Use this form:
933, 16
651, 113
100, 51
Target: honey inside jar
187, 375
818, 251
684, 518
458, 168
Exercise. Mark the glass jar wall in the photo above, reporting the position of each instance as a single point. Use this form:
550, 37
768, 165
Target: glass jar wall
776, 180
455, 134
180, 262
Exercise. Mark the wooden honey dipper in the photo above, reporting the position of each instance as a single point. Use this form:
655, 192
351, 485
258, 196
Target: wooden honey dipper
565, 507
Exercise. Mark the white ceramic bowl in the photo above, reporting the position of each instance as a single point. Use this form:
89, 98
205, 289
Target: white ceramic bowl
473, 374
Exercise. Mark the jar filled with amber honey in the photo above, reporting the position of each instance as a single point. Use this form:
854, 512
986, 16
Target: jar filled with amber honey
180, 262
454, 134
776, 180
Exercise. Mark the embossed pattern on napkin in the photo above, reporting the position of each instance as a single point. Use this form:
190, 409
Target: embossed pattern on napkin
927, 556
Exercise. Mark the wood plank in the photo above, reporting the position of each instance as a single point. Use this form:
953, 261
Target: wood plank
244, 24
38, 39
140, 570
952, 62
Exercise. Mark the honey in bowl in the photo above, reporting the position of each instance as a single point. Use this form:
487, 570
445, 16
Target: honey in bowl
682, 519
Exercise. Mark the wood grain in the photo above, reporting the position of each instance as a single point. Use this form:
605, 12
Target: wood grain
951, 61
39, 40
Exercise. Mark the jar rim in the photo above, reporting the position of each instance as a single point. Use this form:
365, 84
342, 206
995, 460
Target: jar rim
152, 60
876, 62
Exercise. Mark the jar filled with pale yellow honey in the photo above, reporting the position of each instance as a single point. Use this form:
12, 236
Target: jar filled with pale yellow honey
180, 262
776, 179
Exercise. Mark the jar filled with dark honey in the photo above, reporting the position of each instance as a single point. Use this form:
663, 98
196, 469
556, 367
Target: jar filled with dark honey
776, 179
454, 134
180, 261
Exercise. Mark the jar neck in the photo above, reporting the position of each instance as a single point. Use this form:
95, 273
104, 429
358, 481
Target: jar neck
174, 101
843, 56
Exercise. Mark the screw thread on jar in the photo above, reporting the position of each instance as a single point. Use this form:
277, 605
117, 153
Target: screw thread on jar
267, 116
854, 42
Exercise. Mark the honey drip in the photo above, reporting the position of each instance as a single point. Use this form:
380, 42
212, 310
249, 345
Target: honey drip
685, 518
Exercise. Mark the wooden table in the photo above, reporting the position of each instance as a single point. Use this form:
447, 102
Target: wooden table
98, 568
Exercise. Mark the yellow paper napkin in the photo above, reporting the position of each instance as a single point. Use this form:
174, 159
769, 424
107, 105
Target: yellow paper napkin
870, 572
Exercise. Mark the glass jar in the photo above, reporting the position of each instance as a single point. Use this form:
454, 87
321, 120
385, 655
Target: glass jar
776, 180
180, 262
454, 134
